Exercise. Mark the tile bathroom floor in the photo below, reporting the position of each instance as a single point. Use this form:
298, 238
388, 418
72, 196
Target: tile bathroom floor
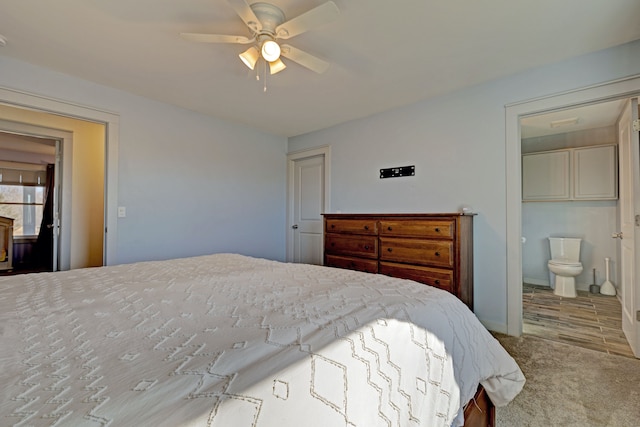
591, 321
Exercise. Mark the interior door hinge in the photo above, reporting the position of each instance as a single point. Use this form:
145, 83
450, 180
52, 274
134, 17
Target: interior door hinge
636, 125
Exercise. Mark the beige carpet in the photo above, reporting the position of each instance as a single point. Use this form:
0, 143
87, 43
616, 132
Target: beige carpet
571, 386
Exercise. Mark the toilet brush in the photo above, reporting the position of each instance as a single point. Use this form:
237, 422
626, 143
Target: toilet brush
593, 288
607, 287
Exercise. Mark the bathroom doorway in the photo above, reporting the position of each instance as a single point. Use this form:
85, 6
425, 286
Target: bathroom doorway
556, 140
617, 89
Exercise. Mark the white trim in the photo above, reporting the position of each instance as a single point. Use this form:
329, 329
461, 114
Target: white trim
111, 121
538, 282
494, 326
325, 151
617, 89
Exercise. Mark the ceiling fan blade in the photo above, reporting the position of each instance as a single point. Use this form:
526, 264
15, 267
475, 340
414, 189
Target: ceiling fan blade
313, 18
303, 58
216, 38
245, 12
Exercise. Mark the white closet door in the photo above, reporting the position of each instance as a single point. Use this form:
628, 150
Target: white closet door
308, 206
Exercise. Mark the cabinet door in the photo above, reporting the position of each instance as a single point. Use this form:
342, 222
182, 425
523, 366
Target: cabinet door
545, 176
595, 173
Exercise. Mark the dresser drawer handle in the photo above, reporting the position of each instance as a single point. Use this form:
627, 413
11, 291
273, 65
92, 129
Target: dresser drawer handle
437, 230
437, 282
366, 227
389, 228
437, 253
389, 249
333, 243
333, 226
366, 247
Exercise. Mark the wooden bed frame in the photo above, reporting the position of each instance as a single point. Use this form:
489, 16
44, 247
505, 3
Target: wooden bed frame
480, 411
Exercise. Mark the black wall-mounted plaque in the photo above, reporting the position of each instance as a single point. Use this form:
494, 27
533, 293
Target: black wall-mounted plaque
396, 172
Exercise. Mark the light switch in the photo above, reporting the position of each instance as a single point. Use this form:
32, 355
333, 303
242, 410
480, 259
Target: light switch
122, 212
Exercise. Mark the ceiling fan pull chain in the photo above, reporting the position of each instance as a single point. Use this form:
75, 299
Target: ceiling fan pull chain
264, 74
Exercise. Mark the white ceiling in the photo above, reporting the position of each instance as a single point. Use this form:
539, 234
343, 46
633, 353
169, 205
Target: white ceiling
586, 117
384, 54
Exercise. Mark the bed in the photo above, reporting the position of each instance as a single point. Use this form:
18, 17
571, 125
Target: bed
230, 340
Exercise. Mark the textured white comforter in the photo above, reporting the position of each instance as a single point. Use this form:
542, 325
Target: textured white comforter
232, 341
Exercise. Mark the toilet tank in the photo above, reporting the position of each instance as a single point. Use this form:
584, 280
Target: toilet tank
565, 248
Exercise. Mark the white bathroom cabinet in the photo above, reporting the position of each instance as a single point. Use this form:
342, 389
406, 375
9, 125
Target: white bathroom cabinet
585, 173
595, 173
545, 176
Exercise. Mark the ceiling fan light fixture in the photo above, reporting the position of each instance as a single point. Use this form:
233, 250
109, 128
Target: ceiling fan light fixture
276, 66
250, 57
270, 51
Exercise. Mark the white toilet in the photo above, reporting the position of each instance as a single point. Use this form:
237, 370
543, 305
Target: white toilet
565, 264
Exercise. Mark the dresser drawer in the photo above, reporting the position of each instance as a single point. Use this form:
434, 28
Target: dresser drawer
416, 251
431, 248
438, 277
431, 228
344, 244
352, 226
359, 264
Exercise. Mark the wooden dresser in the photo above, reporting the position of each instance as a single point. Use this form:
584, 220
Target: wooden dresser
436, 249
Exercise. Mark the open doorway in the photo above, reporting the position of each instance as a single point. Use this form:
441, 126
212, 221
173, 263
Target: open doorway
570, 199
78, 222
619, 89
29, 199
110, 125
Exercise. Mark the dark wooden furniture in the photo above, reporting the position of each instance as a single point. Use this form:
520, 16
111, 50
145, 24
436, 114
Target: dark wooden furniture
435, 249
480, 411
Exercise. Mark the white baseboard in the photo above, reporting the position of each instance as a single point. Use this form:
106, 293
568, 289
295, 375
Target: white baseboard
531, 281
494, 326
535, 281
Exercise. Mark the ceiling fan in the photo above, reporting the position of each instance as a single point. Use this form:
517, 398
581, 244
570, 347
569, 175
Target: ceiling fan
267, 26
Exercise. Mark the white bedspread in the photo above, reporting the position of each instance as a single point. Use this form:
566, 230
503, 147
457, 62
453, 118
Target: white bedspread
231, 341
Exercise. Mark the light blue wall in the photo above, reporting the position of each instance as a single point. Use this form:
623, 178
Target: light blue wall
191, 184
457, 143
591, 221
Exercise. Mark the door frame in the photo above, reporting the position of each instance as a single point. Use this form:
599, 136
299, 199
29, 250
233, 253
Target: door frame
292, 157
65, 139
111, 122
628, 87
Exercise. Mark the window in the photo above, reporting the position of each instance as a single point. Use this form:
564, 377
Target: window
25, 205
